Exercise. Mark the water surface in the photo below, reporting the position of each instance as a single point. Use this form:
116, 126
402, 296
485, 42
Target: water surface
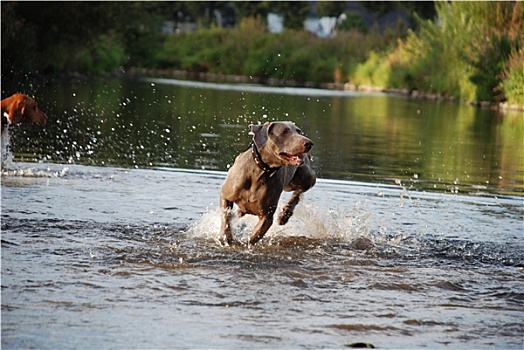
110, 223
107, 257
378, 138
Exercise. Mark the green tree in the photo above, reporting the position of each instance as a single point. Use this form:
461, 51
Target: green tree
250, 9
423, 9
330, 8
137, 25
74, 36
353, 21
53, 32
294, 12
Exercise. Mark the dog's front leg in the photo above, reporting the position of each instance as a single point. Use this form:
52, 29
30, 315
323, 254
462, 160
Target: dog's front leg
261, 228
289, 208
225, 229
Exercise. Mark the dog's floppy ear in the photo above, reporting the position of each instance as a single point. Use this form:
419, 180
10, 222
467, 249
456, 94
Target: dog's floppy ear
17, 110
260, 133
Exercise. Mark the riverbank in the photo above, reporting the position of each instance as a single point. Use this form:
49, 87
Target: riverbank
241, 79
469, 51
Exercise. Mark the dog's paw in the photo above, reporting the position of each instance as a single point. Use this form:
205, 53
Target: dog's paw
230, 243
284, 217
224, 241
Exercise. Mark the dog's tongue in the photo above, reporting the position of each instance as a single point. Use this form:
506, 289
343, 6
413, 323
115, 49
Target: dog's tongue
298, 159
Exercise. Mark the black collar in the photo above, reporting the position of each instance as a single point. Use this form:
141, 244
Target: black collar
260, 163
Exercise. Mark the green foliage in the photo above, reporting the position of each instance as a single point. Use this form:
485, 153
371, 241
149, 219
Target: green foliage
462, 54
46, 36
373, 72
18, 40
513, 78
472, 50
88, 37
294, 12
250, 50
425, 9
106, 55
353, 21
330, 8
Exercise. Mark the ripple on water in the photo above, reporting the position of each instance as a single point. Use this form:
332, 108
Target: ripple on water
339, 273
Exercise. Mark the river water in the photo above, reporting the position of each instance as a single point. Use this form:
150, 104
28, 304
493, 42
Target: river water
412, 237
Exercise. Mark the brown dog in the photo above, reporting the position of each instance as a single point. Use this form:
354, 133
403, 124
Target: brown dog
20, 108
278, 161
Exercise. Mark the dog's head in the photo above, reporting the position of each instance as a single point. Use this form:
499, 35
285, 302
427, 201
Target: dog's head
281, 143
24, 109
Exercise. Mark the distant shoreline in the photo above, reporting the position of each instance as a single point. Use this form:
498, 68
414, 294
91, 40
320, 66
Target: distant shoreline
242, 79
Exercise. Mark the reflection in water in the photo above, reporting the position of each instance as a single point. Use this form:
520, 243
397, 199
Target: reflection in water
127, 256
97, 257
370, 138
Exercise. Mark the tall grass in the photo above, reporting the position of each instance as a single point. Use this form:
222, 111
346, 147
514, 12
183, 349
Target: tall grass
513, 78
473, 51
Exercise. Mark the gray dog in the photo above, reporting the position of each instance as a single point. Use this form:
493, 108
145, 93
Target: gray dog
277, 161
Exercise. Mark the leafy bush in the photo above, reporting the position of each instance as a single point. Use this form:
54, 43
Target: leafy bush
106, 55
352, 20
374, 72
250, 50
513, 78
462, 54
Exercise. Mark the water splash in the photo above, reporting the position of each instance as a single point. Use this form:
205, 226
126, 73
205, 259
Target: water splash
308, 221
9, 170
6, 154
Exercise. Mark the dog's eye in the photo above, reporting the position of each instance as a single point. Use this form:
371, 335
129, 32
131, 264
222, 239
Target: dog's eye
286, 131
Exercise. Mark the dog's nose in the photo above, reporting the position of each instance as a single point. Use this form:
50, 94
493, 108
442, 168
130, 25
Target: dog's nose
308, 144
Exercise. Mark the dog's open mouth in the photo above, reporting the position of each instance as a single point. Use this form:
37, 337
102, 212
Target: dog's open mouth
294, 159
